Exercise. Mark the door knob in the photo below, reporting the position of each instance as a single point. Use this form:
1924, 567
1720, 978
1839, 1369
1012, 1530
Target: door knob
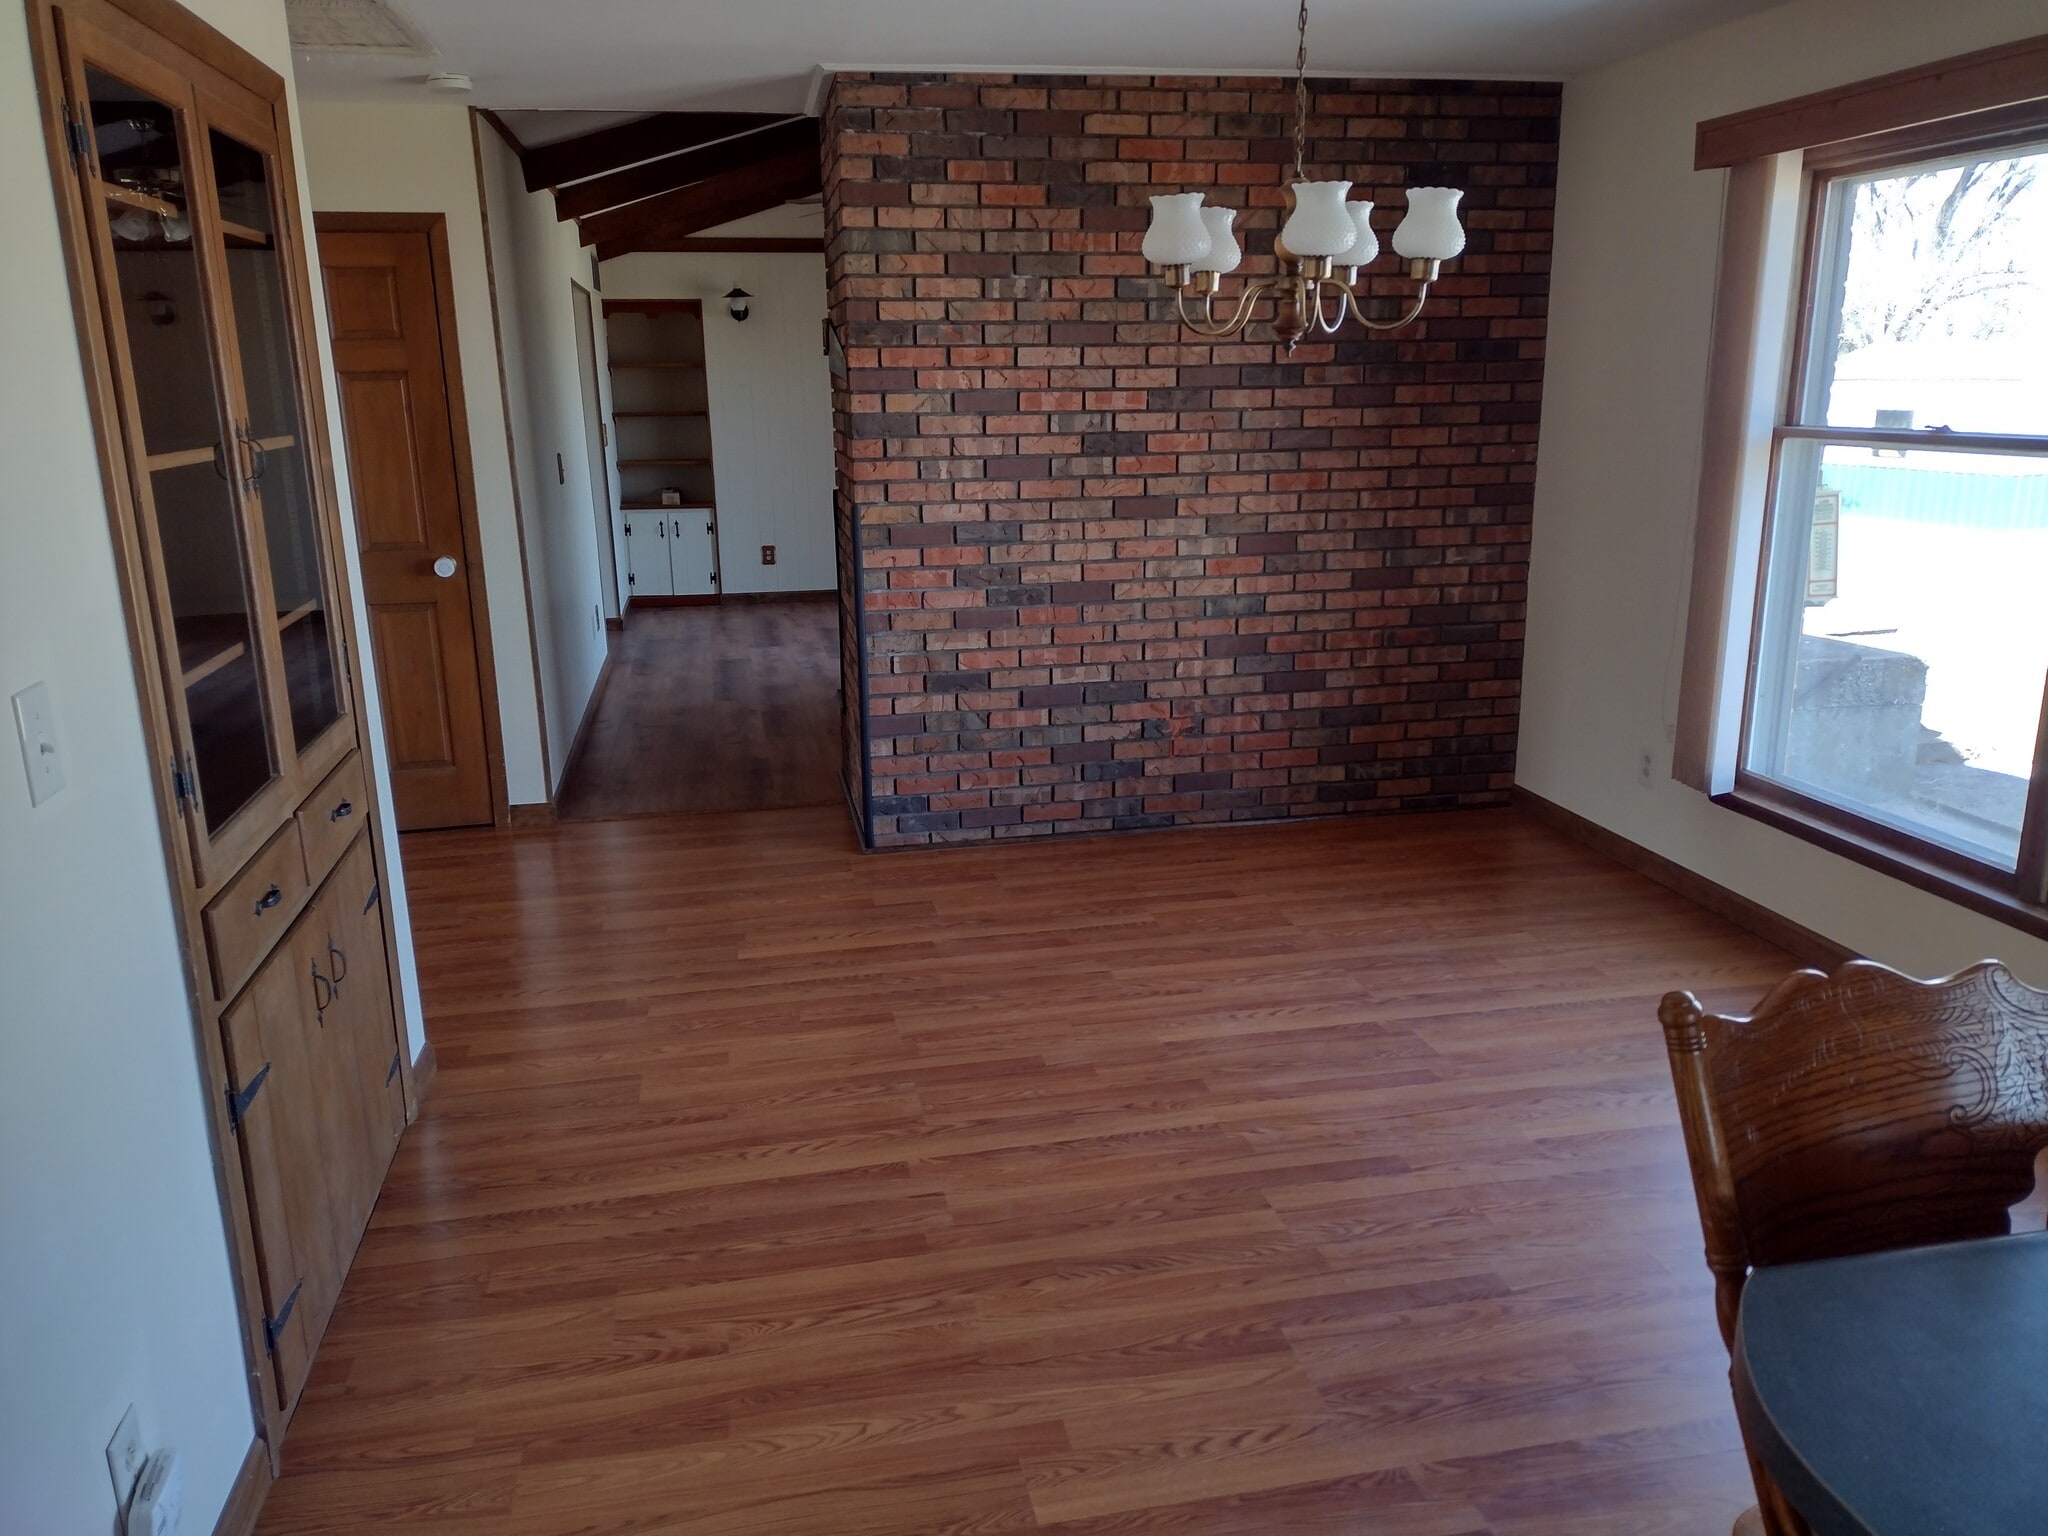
445, 567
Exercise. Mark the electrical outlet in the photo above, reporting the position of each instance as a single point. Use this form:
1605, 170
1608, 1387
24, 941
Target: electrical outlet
125, 1456
767, 554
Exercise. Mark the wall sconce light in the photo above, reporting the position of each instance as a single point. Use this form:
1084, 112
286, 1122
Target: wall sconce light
736, 303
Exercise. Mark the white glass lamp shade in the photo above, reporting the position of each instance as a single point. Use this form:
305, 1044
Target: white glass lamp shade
1367, 245
1224, 254
1431, 231
1319, 225
1177, 236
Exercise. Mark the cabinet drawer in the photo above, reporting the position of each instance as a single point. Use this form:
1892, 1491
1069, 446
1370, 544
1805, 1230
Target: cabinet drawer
248, 918
330, 816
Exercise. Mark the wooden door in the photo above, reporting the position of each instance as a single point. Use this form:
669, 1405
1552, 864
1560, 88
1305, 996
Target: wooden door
388, 357
693, 552
647, 563
274, 1049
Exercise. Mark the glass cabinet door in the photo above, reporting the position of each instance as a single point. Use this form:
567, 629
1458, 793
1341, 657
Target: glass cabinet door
188, 468
273, 435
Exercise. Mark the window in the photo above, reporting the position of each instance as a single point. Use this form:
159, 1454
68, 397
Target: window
1900, 644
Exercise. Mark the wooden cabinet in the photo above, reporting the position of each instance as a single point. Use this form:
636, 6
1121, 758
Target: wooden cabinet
177, 195
672, 553
311, 1098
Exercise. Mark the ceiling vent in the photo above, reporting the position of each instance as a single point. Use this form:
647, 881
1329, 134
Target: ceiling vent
353, 26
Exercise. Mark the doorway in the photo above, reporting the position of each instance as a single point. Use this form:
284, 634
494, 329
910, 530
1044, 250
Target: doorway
391, 313
723, 693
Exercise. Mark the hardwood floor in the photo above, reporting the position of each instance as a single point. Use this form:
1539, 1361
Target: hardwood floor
1320, 1178
730, 707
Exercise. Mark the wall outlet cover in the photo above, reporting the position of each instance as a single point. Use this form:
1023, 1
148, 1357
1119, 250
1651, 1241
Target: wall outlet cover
767, 554
159, 1497
125, 1456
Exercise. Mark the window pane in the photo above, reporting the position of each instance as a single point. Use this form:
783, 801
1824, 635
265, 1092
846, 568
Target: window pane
1903, 652
270, 381
1933, 309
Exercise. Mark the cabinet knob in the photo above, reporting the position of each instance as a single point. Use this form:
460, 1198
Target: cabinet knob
267, 900
342, 810
445, 567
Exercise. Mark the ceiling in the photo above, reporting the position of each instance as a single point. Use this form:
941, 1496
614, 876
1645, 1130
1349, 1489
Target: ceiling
628, 56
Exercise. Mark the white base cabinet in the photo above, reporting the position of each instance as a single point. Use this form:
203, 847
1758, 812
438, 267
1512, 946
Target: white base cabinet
672, 552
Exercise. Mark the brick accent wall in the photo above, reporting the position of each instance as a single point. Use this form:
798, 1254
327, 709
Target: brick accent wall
1115, 577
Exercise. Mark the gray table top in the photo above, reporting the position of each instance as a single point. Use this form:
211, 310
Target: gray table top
1903, 1394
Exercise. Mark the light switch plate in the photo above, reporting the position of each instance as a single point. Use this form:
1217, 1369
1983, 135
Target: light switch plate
38, 728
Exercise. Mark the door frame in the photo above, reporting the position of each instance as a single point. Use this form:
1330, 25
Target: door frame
597, 435
435, 227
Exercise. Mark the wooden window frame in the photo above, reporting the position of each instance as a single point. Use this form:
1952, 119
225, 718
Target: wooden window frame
1782, 161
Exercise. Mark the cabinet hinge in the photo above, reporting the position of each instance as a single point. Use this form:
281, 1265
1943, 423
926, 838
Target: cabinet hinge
181, 783
238, 1103
273, 1327
376, 895
394, 1070
80, 137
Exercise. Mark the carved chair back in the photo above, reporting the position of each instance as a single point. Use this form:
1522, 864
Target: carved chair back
1858, 1112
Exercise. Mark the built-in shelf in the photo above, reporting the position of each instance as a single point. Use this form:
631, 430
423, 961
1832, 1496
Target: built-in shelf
145, 202
656, 506
244, 235
305, 610
183, 458
656, 463
209, 642
687, 367
186, 458
635, 415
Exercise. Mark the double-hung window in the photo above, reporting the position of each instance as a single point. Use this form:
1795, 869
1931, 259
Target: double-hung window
1899, 651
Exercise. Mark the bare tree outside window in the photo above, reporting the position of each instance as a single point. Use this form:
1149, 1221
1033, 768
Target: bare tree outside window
1936, 254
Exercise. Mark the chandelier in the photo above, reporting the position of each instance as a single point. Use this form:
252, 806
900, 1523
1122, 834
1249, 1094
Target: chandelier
1191, 247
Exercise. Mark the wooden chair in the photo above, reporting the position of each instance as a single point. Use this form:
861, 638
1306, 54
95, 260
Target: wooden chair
1855, 1113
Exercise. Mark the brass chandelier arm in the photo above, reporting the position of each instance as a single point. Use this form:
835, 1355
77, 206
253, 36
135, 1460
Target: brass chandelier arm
1208, 324
1358, 313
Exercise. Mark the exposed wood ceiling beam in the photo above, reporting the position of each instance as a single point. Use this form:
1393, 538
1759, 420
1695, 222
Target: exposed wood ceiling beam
719, 200
608, 149
654, 177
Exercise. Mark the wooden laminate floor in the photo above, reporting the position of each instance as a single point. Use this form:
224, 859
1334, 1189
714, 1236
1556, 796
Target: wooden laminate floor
727, 707
1320, 1178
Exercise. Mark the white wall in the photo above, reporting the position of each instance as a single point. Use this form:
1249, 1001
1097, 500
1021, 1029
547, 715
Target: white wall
771, 402
382, 157
114, 1279
535, 260
1624, 392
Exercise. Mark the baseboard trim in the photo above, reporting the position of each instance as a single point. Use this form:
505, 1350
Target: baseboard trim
582, 737
1794, 938
425, 1066
783, 597
246, 1496
537, 814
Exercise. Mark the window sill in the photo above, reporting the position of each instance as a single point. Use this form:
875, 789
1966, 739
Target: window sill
1895, 858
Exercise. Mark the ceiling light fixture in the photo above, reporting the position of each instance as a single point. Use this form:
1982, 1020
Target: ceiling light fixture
1191, 246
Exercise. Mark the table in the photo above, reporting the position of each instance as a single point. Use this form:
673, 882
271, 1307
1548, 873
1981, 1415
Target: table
1903, 1394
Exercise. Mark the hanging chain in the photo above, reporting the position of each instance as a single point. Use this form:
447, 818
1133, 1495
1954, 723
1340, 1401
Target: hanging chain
1301, 93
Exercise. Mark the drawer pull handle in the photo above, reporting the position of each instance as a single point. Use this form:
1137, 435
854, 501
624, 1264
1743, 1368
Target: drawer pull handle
338, 958
268, 899
321, 1004
341, 810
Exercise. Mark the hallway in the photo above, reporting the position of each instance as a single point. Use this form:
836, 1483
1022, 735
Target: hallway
724, 707
1308, 1179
